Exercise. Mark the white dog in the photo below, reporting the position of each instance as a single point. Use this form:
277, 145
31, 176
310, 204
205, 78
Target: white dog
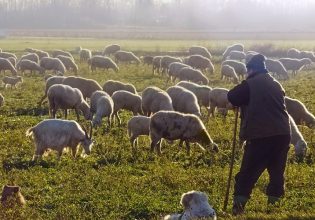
195, 205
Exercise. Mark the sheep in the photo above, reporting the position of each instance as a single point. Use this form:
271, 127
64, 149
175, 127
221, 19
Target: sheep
218, 99
58, 134
239, 67
293, 53
189, 74
12, 61
138, 125
111, 86
49, 82
41, 54
56, 53
276, 67
155, 99
236, 55
85, 54
54, 64
12, 196
294, 64
125, 56
166, 61
1, 100
7, 80
200, 62
235, 47
65, 97
173, 125
229, 72
111, 49
29, 65
299, 112
7, 55
195, 205
128, 101
199, 50
307, 54
184, 100
103, 63
297, 139
147, 60
201, 92
174, 69
156, 64
68, 63
5, 64
30, 56
86, 86
102, 105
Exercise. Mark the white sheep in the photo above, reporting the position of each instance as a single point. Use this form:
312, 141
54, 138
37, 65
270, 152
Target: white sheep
102, 63
1, 100
12, 81
218, 99
184, 100
293, 53
7, 55
85, 54
199, 50
25, 64
173, 125
56, 53
69, 63
30, 56
200, 62
58, 134
297, 139
229, 73
276, 67
193, 75
102, 105
111, 86
156, 64
155, 99
41, 54
236, 55
65, 97
295, 64
111, 49
54, 64
196, 205
174, 69
128, 101
138, 125
126, 56
234, 47
5, 64
147, 60
49, 82
308, 54
166, 61
239, 67
299, 112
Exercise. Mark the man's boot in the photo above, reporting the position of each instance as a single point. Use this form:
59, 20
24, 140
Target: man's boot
272, 200
239, 203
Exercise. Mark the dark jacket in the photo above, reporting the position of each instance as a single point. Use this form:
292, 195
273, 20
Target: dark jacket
263, 112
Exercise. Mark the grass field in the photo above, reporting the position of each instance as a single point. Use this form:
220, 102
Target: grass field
113, 182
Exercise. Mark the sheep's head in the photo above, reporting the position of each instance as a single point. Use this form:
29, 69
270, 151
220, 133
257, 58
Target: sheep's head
87, 142
300, 149
204, 139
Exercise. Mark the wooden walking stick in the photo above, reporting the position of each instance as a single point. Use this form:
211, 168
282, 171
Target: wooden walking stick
231, 163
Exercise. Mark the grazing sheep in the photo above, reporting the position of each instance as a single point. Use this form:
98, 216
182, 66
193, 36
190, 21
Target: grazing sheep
218, 99
173, 125
239, 67
156, 64
234, 47
111, 86
41, 54
293, 53
276, 67
147, 60
166, 61
128, 101
102, 105
155, 99
30, 56
85, 54
58, 134
297, 139
111, 49
125, 56
49, 63
184, 100
138, 125
308, 54
86, 86
299, 112
5, 64
174, 70
294, 64
56, 53
12, 61
195, 205
201, 92
229, 73
7, 55
193, 75
103, 63
200, 62
49, 82
198, 50
11, 196
236, 55
24, 65
68, 63
65, 97
1, 100
12, 81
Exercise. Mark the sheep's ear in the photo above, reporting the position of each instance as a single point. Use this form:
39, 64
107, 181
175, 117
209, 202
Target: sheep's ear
186, 198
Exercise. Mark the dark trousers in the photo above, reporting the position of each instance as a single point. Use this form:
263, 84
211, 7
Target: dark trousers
259, 154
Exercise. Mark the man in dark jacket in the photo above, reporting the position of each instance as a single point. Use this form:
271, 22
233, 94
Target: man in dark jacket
265, 128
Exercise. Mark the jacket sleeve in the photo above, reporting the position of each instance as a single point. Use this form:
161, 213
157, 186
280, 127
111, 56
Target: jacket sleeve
239, 95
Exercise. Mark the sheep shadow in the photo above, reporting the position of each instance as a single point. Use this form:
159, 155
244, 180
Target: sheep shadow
35, 111
24, 164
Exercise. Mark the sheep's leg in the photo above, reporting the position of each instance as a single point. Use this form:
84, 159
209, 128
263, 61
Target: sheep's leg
38, 152
109, 122
159, 152
188, 148
132, 141
54, 111
154, 143
180, 146
117, 117
59, 154
74, 151
66, 113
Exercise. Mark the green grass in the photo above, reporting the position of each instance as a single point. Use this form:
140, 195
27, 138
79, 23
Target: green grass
115, 183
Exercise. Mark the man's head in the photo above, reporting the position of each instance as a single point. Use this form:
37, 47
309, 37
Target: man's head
256, 65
